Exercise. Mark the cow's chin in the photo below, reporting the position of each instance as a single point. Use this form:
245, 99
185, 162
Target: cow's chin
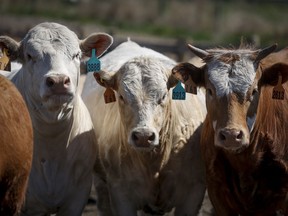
233, 149
54, 103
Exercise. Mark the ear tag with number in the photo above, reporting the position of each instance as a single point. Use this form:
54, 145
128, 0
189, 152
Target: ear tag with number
93, 64
178, 92
278, 90
109, 95
4, 61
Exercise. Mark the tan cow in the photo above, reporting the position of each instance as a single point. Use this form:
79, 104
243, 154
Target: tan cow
64, 140
148, 143
16, 148
245, 135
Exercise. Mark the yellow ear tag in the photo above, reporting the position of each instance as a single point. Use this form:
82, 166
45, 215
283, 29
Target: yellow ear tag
278, 90
4, 61
109, 96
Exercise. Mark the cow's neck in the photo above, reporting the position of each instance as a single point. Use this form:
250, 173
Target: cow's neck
52, 123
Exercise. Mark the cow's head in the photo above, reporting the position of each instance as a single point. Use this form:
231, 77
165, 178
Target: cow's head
232, 84
50, 54
142, 85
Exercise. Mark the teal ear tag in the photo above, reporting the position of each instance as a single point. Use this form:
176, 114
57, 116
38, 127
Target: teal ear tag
93, 64
178, 92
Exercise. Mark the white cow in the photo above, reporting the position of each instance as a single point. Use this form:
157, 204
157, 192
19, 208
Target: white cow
64, 140
148, 143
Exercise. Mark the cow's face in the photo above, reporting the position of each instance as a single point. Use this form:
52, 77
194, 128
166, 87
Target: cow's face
142, 85
51, 64
50, 54
231, 80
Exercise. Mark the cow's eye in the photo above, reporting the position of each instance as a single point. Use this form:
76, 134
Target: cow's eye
254, 92
29, 57
77, 55
209, 92
162, 99
121, 98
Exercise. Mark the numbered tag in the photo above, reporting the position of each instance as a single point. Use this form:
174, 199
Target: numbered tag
93, 64
178, 92
109, 96
4, 61
278, 90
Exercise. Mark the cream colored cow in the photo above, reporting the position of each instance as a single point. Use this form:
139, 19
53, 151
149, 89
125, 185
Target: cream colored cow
64, 140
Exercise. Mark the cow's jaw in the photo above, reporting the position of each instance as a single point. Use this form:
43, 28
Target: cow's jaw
55, 103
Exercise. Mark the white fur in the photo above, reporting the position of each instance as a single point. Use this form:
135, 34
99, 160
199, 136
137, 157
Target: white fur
228, 78
64, 140
133, 175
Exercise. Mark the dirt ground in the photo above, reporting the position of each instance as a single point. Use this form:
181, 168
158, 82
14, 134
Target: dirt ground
90, 209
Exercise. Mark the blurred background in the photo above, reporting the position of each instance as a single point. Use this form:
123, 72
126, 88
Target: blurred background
164, 25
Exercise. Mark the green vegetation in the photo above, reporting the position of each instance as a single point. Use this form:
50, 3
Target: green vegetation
223, 22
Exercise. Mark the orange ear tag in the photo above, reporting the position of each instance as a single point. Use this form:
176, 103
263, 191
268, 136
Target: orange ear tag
4, 61
109, 96
278, 90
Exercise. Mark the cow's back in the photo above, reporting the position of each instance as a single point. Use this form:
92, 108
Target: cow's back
16, 143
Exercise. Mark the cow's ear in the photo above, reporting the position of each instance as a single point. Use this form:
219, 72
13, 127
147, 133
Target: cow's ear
106, 79
99, 41
270, 75
185, 72
12, 46
261, 54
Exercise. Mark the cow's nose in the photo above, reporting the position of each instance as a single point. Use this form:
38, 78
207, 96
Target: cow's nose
231, 135
60, 81
143, 138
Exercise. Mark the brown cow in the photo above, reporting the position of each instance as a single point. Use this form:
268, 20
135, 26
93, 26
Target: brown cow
16, 144
245, 134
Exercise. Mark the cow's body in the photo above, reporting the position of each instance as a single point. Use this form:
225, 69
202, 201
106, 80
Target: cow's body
245, 134
16, 141
148, 143
64, 140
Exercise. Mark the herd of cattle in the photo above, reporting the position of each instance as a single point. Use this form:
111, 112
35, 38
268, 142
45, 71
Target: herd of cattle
146, 153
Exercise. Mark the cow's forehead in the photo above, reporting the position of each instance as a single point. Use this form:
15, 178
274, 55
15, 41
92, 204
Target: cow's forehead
231, 72
144, 77
51, 37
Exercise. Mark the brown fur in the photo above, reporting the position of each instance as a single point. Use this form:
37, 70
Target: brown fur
255, 181
16, 142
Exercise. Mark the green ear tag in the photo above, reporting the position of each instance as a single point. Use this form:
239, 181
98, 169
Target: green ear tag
178, 92
93, 64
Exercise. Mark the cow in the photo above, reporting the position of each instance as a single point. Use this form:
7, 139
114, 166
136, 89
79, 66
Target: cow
244, 139
148, 143
16, 144
64, 140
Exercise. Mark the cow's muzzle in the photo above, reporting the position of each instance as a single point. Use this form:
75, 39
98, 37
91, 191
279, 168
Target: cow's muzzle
232, 139
58, 84
143, 137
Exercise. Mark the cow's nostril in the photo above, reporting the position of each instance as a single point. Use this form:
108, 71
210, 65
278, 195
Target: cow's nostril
152, 137
135, 136
50, 81
66, 81
240, 135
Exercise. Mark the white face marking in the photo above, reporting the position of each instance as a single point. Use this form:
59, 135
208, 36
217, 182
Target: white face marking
231, 77
142, 85
214, 124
